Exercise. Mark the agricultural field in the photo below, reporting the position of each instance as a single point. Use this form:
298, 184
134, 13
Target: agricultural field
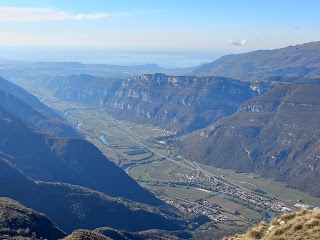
136, 148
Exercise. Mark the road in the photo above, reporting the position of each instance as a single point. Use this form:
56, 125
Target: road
82, 113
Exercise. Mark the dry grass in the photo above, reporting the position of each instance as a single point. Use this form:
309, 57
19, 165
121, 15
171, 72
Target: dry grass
303, 225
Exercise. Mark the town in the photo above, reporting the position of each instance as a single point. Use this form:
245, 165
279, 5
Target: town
215, 186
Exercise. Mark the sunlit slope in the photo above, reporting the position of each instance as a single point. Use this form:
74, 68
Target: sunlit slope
293, 61
303, 225
275, 135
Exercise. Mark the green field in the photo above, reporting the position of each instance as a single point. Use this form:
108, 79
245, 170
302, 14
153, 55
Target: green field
162, 171
190, 194
273, 188
232, 207
136, 146
118, 133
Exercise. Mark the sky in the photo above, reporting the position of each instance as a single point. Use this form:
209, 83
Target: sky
202, 27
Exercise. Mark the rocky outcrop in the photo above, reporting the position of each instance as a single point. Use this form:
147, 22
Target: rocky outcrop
179, 103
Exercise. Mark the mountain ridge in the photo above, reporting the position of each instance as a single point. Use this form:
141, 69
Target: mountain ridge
300, 60
20, 222
275, 135
30, 110
73, 207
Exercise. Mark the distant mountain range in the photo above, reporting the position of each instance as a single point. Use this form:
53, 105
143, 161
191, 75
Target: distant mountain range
276, 135
293, 61
31, 70
289, 62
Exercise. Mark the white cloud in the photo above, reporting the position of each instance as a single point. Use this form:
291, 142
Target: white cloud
15, 14
238, 42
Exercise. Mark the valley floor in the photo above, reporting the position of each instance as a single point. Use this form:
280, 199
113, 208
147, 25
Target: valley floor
232, 201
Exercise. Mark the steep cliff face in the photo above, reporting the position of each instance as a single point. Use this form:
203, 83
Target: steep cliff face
184, 103
276, 135
180, 103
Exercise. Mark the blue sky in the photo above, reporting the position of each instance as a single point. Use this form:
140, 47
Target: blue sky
162, 25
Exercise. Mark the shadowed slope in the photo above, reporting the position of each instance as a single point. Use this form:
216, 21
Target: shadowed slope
73, 207
18, 221
32, 112
74, 161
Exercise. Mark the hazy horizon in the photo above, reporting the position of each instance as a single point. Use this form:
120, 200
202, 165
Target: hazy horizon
165, 59
121, 57
205, 29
